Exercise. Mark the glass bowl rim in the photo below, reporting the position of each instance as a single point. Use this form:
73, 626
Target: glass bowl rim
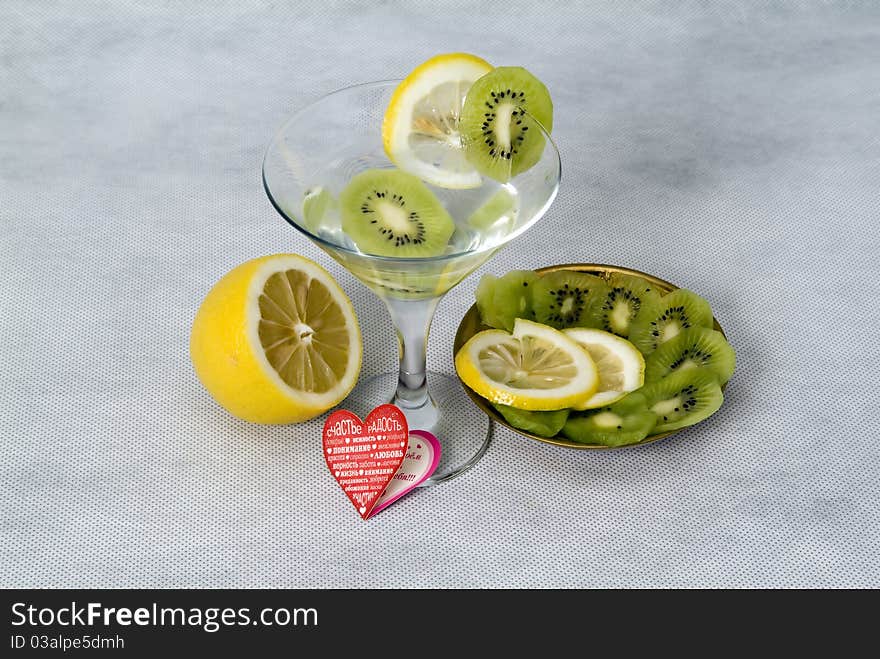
341, 248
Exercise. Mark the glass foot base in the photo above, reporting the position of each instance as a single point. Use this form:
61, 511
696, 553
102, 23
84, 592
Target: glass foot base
461, 427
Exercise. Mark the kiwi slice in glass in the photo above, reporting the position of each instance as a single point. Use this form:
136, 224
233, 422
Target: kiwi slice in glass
317, 202
683, 398
616, 310
626, 422
697, 347
391, 213
500, 209
565, 298
497, 123
545, 424
665, 318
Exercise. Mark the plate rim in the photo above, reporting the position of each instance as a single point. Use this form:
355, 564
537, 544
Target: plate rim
602, 270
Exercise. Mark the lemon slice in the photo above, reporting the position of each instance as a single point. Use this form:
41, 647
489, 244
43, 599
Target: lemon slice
535, 368
620, 364
420, 127
276, 341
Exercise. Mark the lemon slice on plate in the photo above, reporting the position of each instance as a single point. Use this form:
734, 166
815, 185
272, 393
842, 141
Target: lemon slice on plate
534, 368
420, 127
620, 364
276, 341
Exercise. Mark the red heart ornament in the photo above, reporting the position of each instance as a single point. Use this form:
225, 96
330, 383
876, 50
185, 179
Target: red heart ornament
363, 456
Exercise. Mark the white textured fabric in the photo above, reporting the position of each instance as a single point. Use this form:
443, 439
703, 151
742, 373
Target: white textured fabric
732, 149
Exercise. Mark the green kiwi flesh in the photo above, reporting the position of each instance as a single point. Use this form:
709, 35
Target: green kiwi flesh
502, 207
665, 318
317, 202
697, 347
564, 298
497, 124
616, 310
485, 300
545, 424
683, 398
628, 421
391, 213
512, 298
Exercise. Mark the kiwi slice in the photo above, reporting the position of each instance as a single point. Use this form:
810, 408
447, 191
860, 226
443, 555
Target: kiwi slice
485, 300
626, 422
683, 398
502, 207
512, 298
626, 295
317, 202
564, 298
545, 424
664, 319
497, 124
391, 213
697, 347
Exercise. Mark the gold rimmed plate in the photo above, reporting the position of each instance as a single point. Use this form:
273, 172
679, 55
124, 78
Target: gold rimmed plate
471, 324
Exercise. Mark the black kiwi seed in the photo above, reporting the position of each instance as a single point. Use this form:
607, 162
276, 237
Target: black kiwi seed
415, 236
565, 299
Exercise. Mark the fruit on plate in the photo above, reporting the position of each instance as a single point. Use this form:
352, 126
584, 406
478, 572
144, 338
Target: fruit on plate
667, 376
420, 129
391, 213
276, 340
665, 318
683, 398
564, 298
545, 424
498, 129
620, 365
620, 303
697, 347
534, 368
502, 300
626, 422
485, 301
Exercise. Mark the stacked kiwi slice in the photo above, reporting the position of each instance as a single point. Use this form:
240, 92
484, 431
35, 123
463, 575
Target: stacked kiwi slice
498, 122
686, 360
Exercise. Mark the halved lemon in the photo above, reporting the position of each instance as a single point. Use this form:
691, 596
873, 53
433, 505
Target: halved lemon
534, 368
420, 127
276, 340
620, 364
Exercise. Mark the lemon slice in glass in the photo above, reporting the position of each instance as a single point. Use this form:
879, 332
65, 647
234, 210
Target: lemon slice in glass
620, 364
534, 368
420, 127
276, 340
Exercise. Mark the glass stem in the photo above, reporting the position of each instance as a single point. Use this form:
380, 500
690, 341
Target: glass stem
412, 320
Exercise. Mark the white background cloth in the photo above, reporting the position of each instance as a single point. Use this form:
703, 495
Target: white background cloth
731, 148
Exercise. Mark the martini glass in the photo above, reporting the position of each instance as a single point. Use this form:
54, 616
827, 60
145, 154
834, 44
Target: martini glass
310, 161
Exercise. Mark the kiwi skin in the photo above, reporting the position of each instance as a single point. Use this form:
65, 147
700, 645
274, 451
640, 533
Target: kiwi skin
565, 298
